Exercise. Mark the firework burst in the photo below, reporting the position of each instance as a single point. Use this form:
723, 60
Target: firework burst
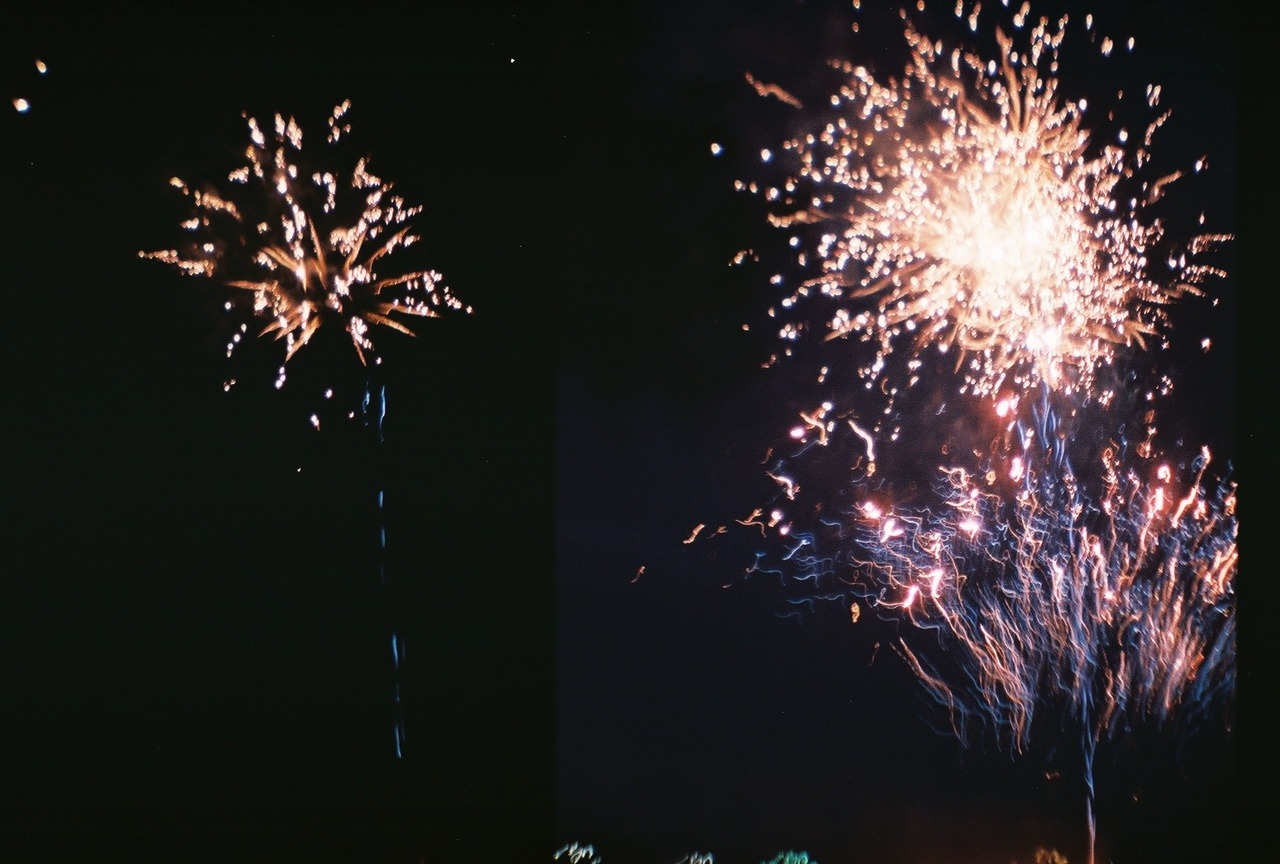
966, 207
305, 248
1101, 611
1124, 603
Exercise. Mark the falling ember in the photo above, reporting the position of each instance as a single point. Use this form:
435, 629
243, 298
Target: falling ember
303, 247
21, 105
966, 207
890, 530
870, 442
912, 593
1111, 611
773, 90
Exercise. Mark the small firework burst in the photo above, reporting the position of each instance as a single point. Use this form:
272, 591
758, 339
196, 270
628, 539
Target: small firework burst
304, 248
966, 207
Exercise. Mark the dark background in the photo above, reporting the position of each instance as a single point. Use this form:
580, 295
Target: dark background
193, 644
196, 663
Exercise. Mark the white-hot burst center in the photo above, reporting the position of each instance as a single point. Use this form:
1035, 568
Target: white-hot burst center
1016, 256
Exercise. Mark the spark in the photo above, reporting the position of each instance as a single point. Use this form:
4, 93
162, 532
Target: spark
788, 485
698, 858
301, 246
304, 247
966, 207
578, 853
773, 90
753, 519
870, 441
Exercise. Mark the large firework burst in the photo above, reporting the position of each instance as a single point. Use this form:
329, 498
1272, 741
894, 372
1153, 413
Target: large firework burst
966, 207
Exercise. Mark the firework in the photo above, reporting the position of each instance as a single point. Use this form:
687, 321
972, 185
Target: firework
304, 248
967, 208
1100, 610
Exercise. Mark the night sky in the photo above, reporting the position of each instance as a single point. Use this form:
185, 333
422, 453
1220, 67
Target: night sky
194, 659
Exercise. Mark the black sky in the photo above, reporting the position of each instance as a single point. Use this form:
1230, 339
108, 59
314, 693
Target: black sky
193, 643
